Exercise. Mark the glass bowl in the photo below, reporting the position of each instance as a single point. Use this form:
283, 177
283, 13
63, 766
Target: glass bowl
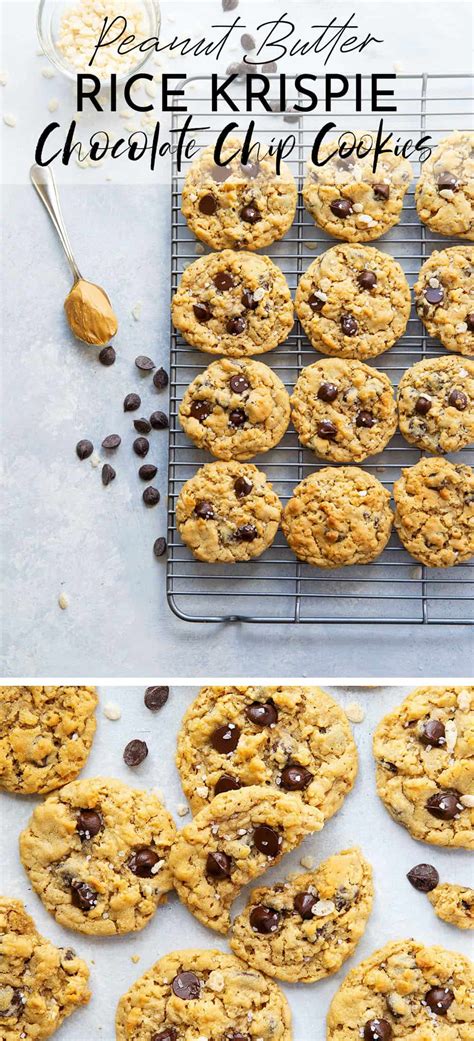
48, 20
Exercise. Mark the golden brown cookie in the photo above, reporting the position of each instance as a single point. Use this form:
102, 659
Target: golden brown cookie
444, 297
434, 514
453, 904
445, 191
436, 404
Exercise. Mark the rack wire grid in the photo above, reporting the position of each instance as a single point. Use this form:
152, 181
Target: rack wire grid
276, 587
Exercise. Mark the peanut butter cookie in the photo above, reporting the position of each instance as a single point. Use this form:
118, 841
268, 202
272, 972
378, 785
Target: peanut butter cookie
454, 904
436, 404
445, 191
444, 297
434, 514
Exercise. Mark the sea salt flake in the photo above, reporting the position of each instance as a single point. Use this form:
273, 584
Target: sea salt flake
451, 735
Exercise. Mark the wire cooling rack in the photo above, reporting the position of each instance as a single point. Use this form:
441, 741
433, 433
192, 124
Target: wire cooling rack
276, 587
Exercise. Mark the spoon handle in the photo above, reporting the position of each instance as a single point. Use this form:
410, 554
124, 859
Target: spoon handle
43, 180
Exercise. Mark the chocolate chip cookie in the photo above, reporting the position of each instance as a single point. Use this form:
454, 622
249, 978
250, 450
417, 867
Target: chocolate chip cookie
338, 516
343, 410
436, 404
40, 984
203, 994
424, 751
238, 205
292, 739
96, 853
237, 304
405, 991
350, 201
45, 736
445, 191
228, 512
444, 297
303, 930
353, 302
434, 514
235, 409
454, 904
232, 841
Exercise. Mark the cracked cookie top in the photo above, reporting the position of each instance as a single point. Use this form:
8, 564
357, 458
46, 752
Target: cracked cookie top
444, 297
436, 404
445, 191
434, 514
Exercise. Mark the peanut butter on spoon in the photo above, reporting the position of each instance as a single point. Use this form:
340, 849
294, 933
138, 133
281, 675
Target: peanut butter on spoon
88, 308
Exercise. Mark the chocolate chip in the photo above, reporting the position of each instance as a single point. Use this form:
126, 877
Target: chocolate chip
156, 697
88, 824
239, 384
315, 302
237, 68
237, 417
249, 301
218, 865
295, 778
327, 392
382, 191
349, 325
141, 446
170, 1034
159, 547
224, 281
236, 325
248, 42
142, 426
458, 399
202, 312
444, 805
439, 999
246, 533
433, 733
434, 294
423, 877
135, 752
447, 182
290, 116
111, 442
107, 356
221, 173
151, 496
326, 430
208, 205
270, 66
367, 279
160, 379
142, 862
225, 738
250, 170
186, 984
84, 449
470, 321
229, 5
365, 419
159, 421
131, 403
108, 474
204, 510
250, 214
346, 162
147, 472
341, 207
83, 896
144, 363
264, 920
423, 405
227, 783
200, 410
242, 487
377, 1030
304, 903
267, 840
262, 714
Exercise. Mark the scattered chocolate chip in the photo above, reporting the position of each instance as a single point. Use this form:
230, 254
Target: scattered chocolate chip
242, 487
341, 207
246, 533
147, 472
144, 363
349, 325
107, 356
251, 170
295, 778
315, 302
142, 426
447, 182
111, 442
247, 41
151, 496
444, 805
262, 713
229, 5
202, 312
458, 399
304, 903
131, 403
236, 325
470, 321
423, 877
365, 419
377, 1030
84, 449
249, 301
83, 896
433, 733
237, 417
200, 410
290, 116
367, 279
327, 392
159, 547
159, 421
204, 510
221, 173
423, 405
239, 384
270, 66
141, 446
135, 752
439, 999
264, 920
267, 840
169, 1034
225, 738
156, 697
237, 68
218, 865
88, 824
326, 430
142, 862
160, 379
186, 984
382, 191
208, 205
434, 294
227, 783
108, 474
250, 214
224, 281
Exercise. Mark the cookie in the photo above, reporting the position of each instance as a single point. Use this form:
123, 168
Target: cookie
405, 991
424, 751
434, 514
338, 516
203, 994
45, 736
235, 409
237, 304
231, 842
40, 984
293, 739
303, 930
353, 302
347, 199
444, 297
235, 205
454, 904
436, 404
97, 853
343, 410
444, 194
227, 512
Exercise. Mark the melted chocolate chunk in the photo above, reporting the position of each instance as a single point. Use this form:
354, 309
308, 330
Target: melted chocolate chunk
423, 405
367, 279
204, 510
250, 170
200, 410
434, 295
470, 321
439, 999
186, 985
295, 778
458, 399
267, 840
237, 417
444, 805
250, 214
365, 419
224, 281
225, 738
142, 862
326, 430
264, 920
239, 384
246, 533
221, 173
208, 205
327, 392
447, 182
433, 733
377, 1030
242, 487
169, 1034
349, 325
88, 824
341, 208
227, 783
315, 302
218, 865
236, 325
249, 301
303, 905
202, 312
262, 714
382, 191
83, 896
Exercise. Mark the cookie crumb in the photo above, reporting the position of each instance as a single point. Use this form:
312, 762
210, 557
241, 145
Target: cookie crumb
63, 601
467, 800
48, 72
323, 908
182, 809
307, 862
53, 105
135, 958
354, 712
464, 700
112, 710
